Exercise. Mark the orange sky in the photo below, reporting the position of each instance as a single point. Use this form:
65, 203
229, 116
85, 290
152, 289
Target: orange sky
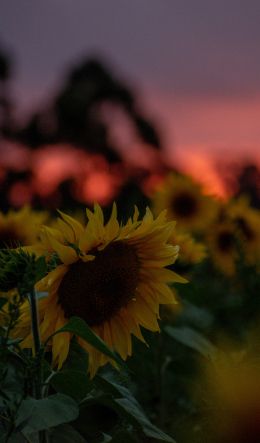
202, 133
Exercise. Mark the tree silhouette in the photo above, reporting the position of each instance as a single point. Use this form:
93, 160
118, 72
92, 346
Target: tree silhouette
76, 113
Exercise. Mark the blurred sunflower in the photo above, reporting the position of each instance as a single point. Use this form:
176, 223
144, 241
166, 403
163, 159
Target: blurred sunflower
111, 276
20, 227
247, 222
185, 202
232, 394
191, 251
221, 241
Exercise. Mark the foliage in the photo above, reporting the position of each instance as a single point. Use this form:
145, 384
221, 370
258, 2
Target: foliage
160, 394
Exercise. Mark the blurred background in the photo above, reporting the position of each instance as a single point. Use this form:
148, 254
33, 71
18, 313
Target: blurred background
149, 102
99, 100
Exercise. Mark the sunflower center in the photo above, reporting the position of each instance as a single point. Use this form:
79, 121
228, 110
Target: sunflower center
98, 289
245, 228
225, 241
184, 205
9, 239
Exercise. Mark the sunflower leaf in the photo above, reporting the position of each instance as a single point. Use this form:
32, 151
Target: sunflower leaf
77, 359
36, 415
66, 434
106, 438
80, 328
75, 384
193, 339
127, 406
131, 408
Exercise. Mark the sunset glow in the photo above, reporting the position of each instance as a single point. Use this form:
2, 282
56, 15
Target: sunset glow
202, 133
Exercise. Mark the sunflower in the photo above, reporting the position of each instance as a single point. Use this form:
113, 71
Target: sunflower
191, 251
222, 246
20, 227
112, 276
185, 202
232, 394
247, 222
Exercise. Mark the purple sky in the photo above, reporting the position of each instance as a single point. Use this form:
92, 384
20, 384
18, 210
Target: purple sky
195, 63
200, 47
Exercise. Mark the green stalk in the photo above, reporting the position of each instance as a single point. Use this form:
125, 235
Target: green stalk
36, 341
38, 381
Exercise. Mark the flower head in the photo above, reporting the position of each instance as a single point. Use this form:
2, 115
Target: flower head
221, 241
110, 275
247, 222
20, 228
191, 251
185, 202
232, 386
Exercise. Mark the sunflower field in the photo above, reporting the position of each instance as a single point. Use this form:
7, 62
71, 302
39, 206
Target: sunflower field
132, 324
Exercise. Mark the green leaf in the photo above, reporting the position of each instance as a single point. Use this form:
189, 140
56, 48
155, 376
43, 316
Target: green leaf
77, 359
125, 404
15, 437
106, 438
195, 315
133, 411
75, 384
192, 339
66, 434
80, 328
40, 269
108, 384
36, 415
11, 380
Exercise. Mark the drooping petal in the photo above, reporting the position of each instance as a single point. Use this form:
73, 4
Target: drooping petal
67, 254
74, 224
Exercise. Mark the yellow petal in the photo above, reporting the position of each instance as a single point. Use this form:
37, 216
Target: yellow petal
87, 240
144, 315
108, 335
51, 278
119, 337
162, 275
67, 254
74, 224
67, 230
164, 294
112, 226
60, 343
133, 326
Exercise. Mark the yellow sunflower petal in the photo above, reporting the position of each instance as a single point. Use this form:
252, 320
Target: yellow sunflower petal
144, 314
132, 255
67, 254
47, 282
74, 224
112, 226
60, 343
119, 338
67, 230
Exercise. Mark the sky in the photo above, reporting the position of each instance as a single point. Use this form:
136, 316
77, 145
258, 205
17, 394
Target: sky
194, 64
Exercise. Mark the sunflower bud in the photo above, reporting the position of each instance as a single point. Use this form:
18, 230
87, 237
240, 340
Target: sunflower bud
21, 270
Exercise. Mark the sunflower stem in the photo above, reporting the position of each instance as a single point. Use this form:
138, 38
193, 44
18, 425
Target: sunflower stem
35, 322
38, 378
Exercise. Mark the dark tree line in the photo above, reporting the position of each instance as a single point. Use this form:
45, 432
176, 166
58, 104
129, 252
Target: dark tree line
75, 117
